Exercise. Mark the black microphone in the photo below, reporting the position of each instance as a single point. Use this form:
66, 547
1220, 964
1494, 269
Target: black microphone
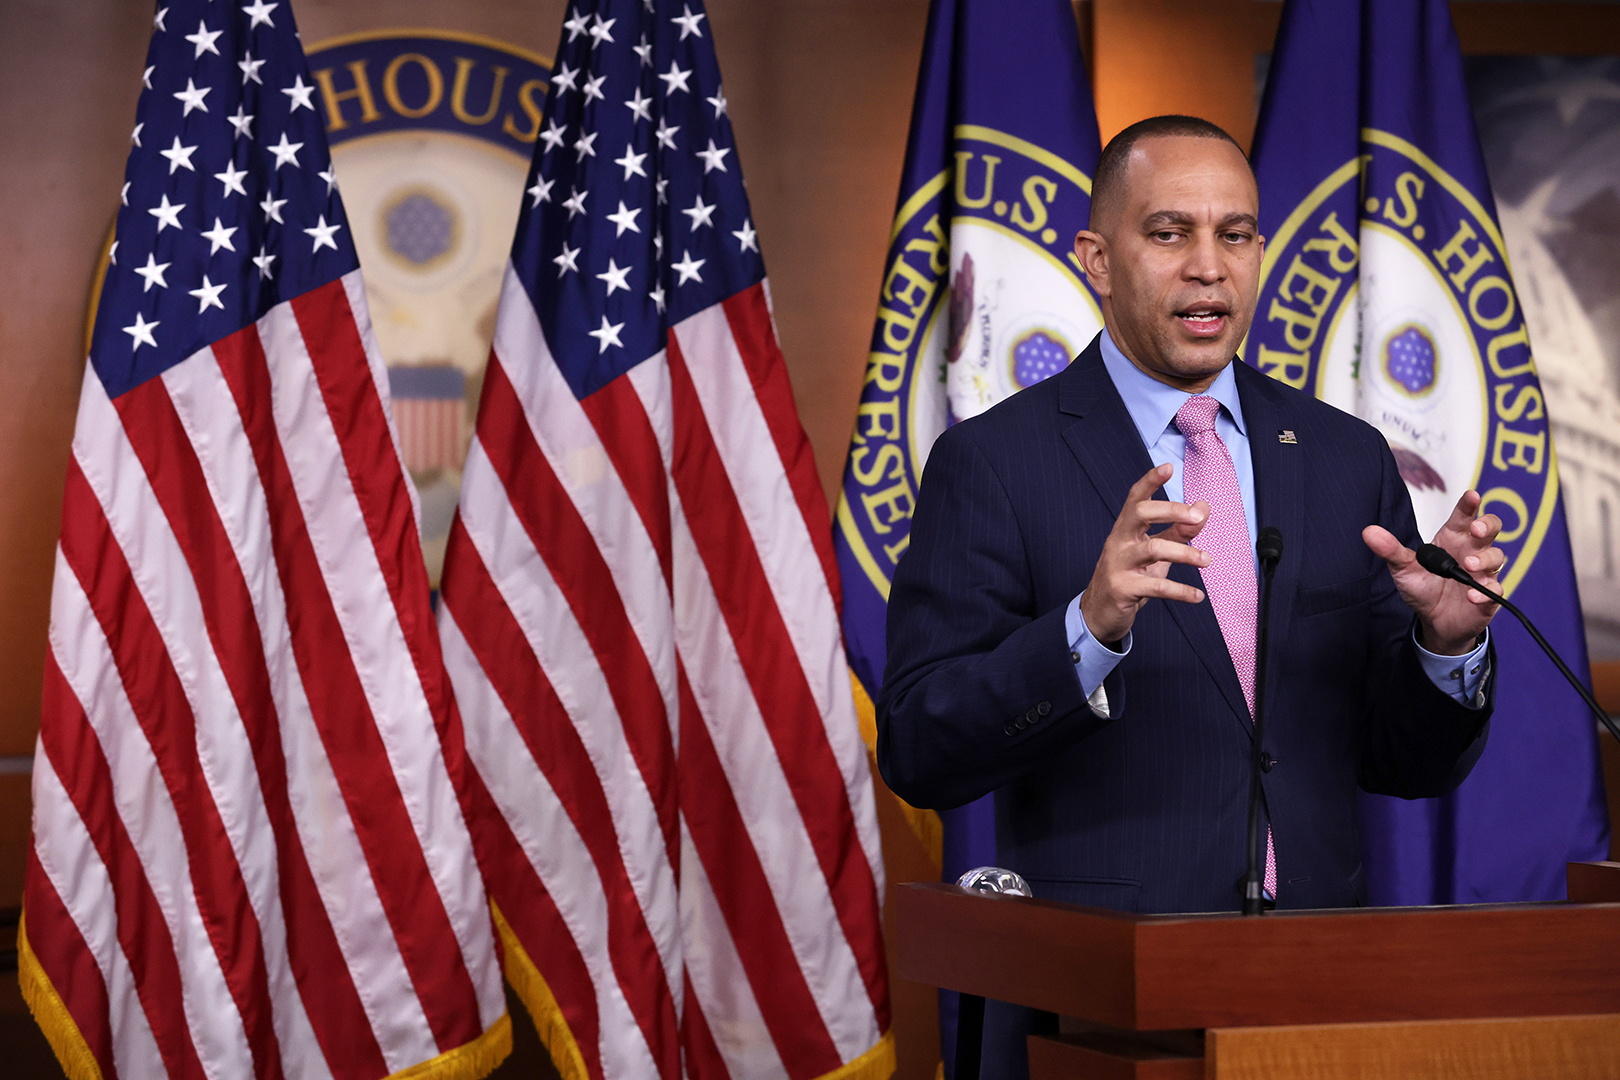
1438, 561
1269, 548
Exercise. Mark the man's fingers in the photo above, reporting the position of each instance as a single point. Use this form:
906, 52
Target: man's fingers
1157, 549
1151, 481
1166, 589
1386, 547
1461, 521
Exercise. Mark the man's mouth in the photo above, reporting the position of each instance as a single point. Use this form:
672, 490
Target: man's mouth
1204, 320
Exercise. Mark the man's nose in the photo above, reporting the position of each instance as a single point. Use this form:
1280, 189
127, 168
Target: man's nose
1205, 263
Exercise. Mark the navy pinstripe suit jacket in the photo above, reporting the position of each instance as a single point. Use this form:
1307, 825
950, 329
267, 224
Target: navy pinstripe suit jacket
1147, 810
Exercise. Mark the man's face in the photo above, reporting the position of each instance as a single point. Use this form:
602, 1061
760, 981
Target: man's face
1177, 263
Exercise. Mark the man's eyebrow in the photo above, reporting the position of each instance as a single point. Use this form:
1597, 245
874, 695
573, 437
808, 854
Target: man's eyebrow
1230, 220
1161, 218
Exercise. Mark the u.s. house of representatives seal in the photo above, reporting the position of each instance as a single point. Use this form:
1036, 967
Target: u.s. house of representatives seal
981, 297
431, 135
1405, 315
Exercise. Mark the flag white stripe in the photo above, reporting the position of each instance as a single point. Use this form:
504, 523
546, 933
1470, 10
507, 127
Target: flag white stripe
150, 819
718, 979
575, 673
769, 812
336, 860
571, 444
86, 892
388, 676
782, 537
552, 845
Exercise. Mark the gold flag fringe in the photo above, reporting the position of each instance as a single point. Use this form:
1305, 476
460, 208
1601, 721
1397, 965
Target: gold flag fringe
925, 824
537, 997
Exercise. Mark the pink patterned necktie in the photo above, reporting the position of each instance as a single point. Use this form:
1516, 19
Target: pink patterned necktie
1207, 473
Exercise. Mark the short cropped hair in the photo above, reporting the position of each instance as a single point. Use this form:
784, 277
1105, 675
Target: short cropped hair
1108, 186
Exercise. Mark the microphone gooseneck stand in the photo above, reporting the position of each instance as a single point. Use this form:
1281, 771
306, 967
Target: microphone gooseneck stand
1269, 548
1439, 562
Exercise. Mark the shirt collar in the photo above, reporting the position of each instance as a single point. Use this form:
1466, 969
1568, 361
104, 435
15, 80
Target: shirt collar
1152, 404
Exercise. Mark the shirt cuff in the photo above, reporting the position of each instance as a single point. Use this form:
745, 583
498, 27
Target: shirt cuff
1093, 661
1461, 678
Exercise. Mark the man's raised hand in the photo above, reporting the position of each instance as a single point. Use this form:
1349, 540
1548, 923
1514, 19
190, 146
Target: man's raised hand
1451, 616
1134, 567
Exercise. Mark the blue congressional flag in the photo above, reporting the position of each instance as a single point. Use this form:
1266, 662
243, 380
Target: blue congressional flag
1386, 291
981, 295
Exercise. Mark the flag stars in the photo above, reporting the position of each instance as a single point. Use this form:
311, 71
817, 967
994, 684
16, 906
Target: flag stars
575, 203
250, 69
602, 31
192, 97
675, 79
584, 146
135, 136
330, 176
631, 162
168, 214
152, 274
607, 334
562, 80
112, 254
712, 158
688, 268
662, 184
157, 24
242, 122
123, 195
204, 40
568, 260
219, 237
615, 277
688, 22
286, 152
208, 295
644, 51
323, 233
593, 88
179, 156
552, 136
576, 25
272, 209
299, 93
141, 332
146, 77
625, 219
641, 106
263, 260
719, 103
259, 12
666, 134
541, 191
232, 179
657, 294
747, 237
701, 213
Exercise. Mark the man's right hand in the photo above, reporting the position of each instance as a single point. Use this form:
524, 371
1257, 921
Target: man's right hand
1134, 566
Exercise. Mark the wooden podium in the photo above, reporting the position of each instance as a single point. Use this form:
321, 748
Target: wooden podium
1480, 991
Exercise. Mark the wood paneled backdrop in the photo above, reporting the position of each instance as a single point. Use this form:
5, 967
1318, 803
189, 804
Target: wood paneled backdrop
821, 98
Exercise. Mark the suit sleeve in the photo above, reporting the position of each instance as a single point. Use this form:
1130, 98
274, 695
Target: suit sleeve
980, 687
1418, 741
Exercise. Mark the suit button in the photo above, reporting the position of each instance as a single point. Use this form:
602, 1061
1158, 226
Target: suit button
1044, 708
1031, 716
1021, 723
1009, 729
1266, 762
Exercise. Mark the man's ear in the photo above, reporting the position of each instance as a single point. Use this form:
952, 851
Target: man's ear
1091, 250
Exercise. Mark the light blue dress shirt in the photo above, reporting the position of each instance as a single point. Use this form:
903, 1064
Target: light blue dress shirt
1153, 406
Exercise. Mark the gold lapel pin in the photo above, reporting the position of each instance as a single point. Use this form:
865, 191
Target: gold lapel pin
1287, 437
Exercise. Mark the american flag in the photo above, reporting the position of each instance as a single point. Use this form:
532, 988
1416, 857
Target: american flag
250, 857
640, 606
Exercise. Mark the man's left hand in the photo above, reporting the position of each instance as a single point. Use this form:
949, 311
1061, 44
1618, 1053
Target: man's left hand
1451, 616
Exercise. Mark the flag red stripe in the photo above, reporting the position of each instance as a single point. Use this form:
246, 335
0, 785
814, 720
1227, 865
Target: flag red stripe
71, 746
743, 893
67, 962
504, 653
532, 914
751, 327
330, 999
558, 532
703, 1060
371, 793
160, 705
620, 420
778, 681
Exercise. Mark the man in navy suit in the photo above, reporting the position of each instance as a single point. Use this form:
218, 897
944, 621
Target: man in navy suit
1049, 634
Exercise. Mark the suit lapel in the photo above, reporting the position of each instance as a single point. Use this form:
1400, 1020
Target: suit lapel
1279, 495
1109, 448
